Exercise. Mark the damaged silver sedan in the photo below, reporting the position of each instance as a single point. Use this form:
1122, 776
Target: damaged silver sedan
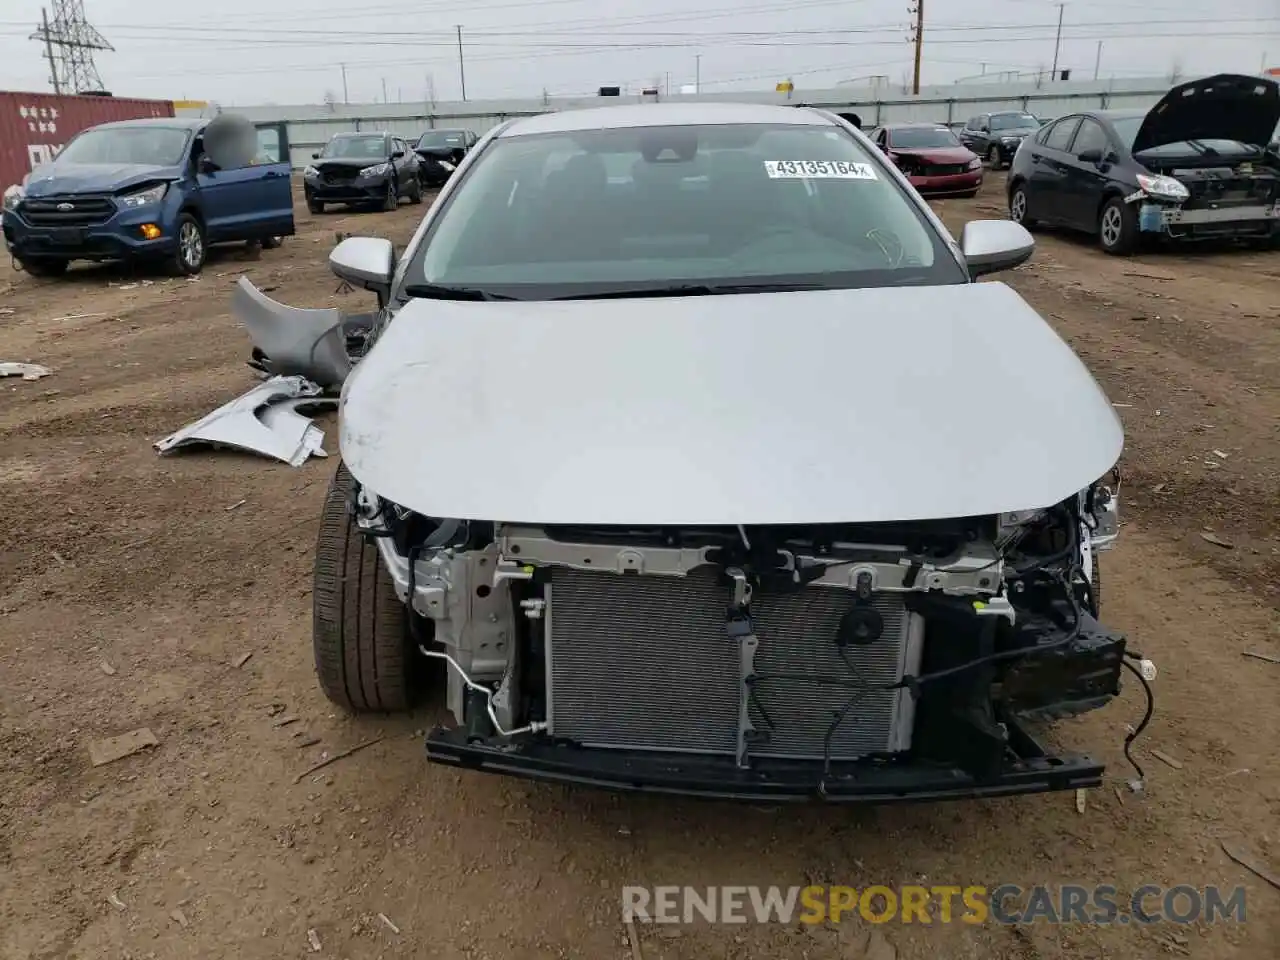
689, 456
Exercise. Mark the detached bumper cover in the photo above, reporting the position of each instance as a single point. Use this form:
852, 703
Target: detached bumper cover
1028, 770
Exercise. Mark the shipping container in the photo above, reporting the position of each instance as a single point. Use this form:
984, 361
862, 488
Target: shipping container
34, 126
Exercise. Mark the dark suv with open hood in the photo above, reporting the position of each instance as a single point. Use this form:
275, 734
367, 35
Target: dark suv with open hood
1195, 166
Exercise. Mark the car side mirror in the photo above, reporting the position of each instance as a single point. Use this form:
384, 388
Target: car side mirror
206, 165
1092, 155
990, 246
397, 154
315, 156
365, 262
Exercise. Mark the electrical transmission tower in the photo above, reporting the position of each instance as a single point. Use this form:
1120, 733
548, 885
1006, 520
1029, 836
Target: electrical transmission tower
69, 41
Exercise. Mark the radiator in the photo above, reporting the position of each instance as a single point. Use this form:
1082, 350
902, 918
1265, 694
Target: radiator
644, 663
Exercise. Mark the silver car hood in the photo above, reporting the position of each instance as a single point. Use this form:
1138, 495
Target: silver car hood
811, 407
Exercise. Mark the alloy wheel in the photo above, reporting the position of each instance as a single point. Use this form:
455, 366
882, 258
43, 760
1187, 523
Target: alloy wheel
190, 244
1018, 206
1111, 226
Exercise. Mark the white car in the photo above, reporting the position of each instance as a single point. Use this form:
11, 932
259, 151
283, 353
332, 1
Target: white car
691, 455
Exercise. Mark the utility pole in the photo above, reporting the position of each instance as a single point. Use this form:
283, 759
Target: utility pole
919, 38
697, 73
1057, 42
1097, 61
462, 70
48, 50
344, 83
384, 90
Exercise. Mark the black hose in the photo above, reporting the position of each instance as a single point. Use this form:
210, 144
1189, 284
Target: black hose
1146, 719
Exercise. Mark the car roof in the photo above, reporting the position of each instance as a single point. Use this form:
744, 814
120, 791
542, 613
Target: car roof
173, 123
915, 125
445, 130
361, 133
664, 115
1117, 114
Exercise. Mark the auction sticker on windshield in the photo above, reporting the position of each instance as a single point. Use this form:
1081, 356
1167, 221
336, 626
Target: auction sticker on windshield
811, 169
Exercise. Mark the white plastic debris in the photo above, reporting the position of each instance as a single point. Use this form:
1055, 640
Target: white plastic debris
27, 371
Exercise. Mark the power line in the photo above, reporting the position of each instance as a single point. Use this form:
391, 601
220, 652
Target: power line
406, 37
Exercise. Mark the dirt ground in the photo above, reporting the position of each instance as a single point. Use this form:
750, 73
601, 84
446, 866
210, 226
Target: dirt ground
131, 585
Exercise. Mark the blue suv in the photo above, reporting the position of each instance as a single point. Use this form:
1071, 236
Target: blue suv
144, 190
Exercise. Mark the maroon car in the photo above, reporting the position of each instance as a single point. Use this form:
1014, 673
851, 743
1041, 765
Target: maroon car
932, 157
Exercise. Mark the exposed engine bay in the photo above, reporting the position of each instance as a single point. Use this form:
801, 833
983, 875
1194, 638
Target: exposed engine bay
823, 645
1223, 198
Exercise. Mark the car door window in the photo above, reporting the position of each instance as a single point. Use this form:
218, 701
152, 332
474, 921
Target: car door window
983, 126
1059, 135
972, 124
270, 149
1090, 136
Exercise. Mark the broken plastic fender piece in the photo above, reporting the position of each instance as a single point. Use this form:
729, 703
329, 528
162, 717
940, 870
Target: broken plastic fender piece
295, 341
27, 371
263, 420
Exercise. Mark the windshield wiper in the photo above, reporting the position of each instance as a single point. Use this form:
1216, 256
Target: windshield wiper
694, 290
438, 291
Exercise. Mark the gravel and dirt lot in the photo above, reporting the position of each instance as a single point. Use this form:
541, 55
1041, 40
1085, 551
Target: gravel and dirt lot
132, 585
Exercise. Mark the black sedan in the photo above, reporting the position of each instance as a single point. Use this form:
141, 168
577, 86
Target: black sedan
1195, 166
440, 151
362, 168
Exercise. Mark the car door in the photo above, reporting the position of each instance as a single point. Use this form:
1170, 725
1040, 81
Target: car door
403, 163
271, 213
980, 136
969, 136
251, 200
1086, 178
1050, 159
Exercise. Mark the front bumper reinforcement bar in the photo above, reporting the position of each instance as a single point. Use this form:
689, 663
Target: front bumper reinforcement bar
1029, 769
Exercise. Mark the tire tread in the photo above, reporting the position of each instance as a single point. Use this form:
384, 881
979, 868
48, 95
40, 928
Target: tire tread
359, 632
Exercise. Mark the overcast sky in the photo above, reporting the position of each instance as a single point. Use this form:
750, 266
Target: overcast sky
288, 51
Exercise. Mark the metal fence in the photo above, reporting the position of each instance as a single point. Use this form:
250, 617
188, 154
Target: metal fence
311, 125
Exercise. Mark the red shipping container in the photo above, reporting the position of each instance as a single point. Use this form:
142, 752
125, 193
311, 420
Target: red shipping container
35, 126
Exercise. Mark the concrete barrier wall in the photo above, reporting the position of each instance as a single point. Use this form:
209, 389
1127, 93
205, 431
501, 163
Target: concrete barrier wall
311, 125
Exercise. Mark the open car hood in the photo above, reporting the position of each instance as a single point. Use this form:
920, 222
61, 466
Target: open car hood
1223, 107
770, 408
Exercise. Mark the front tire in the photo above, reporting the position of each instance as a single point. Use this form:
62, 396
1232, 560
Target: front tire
44, 267
392, 198
993, 157
1117, 227
415, 190
1019, 206
315, 207
270, 243
188, 259
360, 633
